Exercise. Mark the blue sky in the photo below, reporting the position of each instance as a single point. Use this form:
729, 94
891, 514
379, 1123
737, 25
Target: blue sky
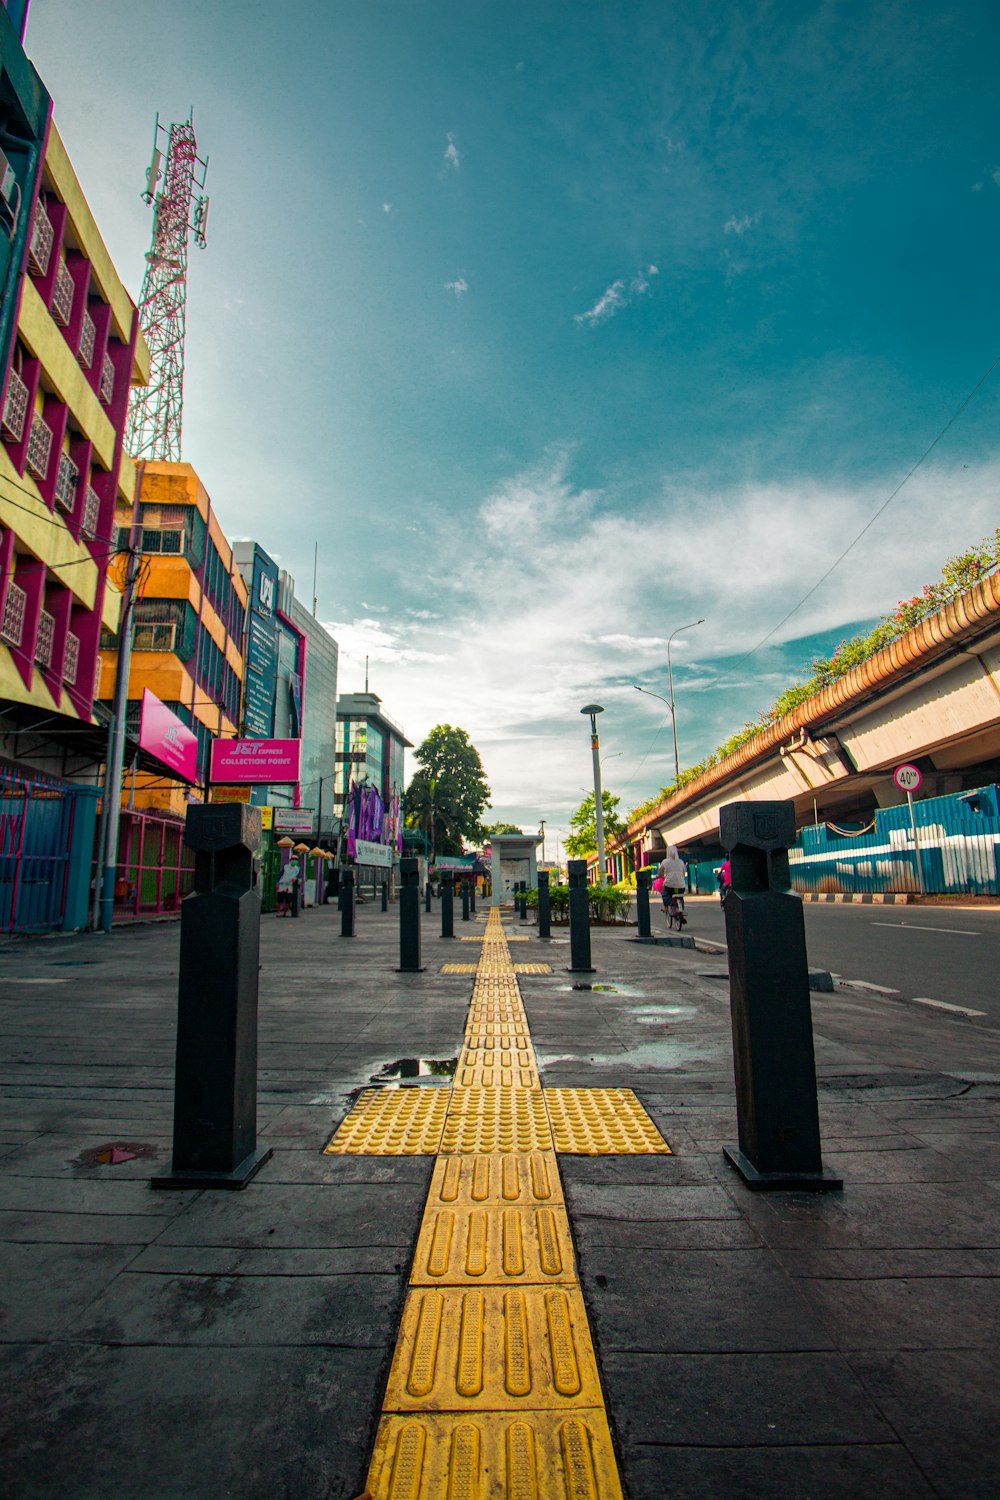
558, 327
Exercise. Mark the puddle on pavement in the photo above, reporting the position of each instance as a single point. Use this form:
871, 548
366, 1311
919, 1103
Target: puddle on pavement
603, 989
416, 1072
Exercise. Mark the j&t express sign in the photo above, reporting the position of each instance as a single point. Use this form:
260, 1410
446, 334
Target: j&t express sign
163, 734
257, 762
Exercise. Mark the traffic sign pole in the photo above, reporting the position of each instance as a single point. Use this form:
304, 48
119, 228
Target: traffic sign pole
909, 779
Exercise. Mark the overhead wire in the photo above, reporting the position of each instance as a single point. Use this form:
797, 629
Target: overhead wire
871, 521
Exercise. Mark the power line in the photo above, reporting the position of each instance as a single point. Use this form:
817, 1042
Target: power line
871, 522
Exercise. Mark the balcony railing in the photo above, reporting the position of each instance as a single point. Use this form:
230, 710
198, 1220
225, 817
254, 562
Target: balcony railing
107, 380
12, 626
39, 448
45, 639
88, 336
71, 660
15, 408
66, 482
62, 295
42, 237
91, 512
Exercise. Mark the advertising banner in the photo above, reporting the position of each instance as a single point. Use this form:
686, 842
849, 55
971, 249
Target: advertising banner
257, 762
163, 734
262, 649
373, 854
294, 819
231, 794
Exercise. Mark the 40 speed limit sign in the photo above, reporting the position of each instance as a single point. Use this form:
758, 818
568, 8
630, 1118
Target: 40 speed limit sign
908, 778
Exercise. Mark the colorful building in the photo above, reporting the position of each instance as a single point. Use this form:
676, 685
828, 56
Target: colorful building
370, 748
75, 355
188, 627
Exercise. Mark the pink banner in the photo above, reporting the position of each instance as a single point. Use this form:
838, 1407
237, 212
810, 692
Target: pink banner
257, 762
163, 734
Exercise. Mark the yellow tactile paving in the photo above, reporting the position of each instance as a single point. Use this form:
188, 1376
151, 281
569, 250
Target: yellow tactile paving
527, 1180
493, 1348
492, 1245
601, 1122
393, 1122
495, 1456
494, 1392
497, 1119
458, 968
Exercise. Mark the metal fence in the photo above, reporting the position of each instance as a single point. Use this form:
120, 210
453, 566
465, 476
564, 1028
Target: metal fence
36, 823
959, 850
155, 870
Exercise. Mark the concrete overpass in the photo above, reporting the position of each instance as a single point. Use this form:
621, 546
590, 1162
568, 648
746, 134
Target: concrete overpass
931, 697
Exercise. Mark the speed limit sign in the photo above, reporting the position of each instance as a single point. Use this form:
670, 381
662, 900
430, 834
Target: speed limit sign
908, 778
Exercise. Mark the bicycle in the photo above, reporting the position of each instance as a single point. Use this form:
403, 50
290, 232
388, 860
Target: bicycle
675, 911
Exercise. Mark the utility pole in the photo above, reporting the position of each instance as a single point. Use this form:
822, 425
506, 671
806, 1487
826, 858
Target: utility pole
107, 860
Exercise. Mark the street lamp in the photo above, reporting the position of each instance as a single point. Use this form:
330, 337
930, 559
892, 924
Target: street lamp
593, 709
670, 701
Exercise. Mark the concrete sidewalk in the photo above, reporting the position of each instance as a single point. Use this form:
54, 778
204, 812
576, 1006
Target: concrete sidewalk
200, 1344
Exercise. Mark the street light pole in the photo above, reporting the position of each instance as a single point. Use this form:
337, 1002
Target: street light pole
593, 709
670, 680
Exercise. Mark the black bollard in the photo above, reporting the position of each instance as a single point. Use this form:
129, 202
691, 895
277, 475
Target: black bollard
472, 897
579, 918
465, 900
643, 881
333, 881
385, 895
296, 897
215, 1080
776, 1105
544, 907
427, 897
409, 917
348, 910
447, 883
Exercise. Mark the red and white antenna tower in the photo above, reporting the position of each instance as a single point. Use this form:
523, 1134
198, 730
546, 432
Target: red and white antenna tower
181, 209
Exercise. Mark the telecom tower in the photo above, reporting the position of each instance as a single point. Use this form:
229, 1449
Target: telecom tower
181, 209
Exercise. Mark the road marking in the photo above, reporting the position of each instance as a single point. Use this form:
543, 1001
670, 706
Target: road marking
961, 931
866, 984
961, 1010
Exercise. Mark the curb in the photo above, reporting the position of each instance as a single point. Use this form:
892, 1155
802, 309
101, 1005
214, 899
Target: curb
891, 898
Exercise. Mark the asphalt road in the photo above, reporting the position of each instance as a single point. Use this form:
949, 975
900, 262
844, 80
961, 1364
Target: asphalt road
923, 952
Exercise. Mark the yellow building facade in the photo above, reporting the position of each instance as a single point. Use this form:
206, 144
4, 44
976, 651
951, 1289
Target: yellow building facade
189, 622
77, 352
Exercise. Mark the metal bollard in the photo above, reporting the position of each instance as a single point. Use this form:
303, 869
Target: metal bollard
776, 1104
427, 897
385, 895
333, 881
465, 900
579, 918
348, 910
215, 1080
409, 917
643, 881
296, 897
447, 904
472, 897
544, 905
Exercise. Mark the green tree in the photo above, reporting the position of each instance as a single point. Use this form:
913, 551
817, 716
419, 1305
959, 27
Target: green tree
449, 792
491, 830
583, 840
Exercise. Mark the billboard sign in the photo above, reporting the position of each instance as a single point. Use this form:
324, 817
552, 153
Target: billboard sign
373, 854
294, 819
164, 735
261, 674
255, 762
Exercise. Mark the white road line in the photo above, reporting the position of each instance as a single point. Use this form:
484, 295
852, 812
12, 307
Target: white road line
864, 984
961, 1010
960, 931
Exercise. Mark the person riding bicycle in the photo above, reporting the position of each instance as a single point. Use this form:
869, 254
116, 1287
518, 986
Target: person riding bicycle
671, 871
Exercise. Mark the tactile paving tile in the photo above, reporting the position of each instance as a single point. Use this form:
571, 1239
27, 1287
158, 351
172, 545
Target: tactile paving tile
493, 1245
532, 968
458, 968
530, 1179
503, 1064
477, 939
495, 1456
601, 1122
493, 1347
485, 1120
393, 1122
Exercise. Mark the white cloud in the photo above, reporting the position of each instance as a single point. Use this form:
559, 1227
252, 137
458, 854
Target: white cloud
459, 286
554, 595
618, 295
739, 227
387, 208
452, 154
